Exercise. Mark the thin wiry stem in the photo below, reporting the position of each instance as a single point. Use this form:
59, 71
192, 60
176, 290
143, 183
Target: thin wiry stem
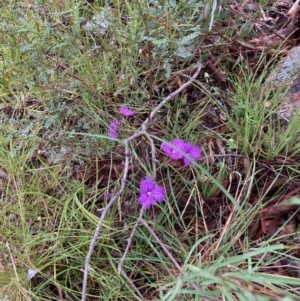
202, 86
162, 245
171, 96
12, 260
141, 131
129, 241
132, 285
103, 215
153, 155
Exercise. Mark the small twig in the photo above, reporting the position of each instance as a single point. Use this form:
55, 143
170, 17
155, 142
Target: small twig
293, 10
59, 290
202, 86
264, 17
141, 131
145, 224
129, 241
217, 134
12, 260
149, 55
103, 215
76, 76
231, 215
276, 11
151, 81
132, 285
216, 73
171, 96
245, 157
153, 155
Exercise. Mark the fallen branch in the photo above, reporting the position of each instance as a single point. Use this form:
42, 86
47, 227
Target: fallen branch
140, 132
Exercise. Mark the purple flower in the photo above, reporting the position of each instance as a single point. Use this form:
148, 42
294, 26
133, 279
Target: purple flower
113, 133
107, 195
31, 273
126, 112
171, 151
150, 193
114, 128
189, 151
192, 152
114, 124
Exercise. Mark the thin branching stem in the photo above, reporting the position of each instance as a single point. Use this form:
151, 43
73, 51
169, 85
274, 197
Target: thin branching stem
141, 131
145, 224
103, 215
171, 96
153, 155
129, 242
162, 245
12, 260
133, 285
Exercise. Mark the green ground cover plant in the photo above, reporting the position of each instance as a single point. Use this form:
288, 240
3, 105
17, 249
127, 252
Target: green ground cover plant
143, 155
